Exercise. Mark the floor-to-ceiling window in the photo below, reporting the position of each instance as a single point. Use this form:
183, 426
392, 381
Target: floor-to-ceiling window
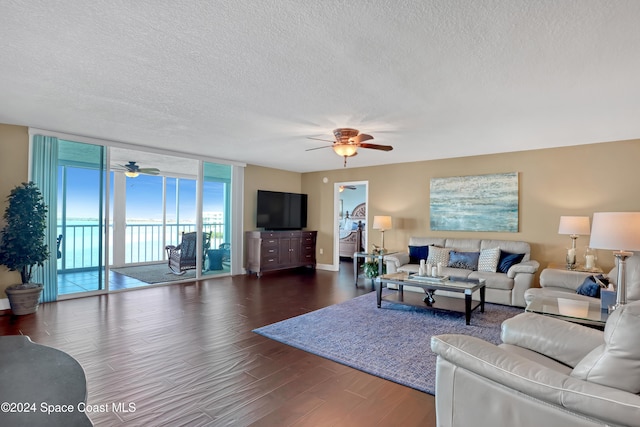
112, 221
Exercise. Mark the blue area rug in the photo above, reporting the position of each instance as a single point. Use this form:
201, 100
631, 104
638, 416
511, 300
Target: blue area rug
392, 342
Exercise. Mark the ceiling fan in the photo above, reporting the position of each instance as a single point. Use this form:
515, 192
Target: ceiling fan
348, 141
132, 170
346, 187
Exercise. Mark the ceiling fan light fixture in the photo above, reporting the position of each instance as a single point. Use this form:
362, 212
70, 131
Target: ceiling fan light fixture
345, 150
131, 174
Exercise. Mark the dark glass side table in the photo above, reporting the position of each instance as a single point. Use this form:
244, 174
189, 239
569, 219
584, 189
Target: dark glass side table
369, 256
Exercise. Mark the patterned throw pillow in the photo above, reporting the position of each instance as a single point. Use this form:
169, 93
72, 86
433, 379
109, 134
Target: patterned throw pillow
488, 260
437, 255
466, 260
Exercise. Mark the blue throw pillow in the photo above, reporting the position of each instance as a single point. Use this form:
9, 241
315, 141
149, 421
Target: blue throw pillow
466, 260
416, 253
507, 259
589, 288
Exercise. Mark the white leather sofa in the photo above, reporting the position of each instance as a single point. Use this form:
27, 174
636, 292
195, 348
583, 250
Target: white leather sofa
501, 288
563, 283
547, 372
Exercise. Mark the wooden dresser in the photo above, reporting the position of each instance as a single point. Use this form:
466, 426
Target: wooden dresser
277, 250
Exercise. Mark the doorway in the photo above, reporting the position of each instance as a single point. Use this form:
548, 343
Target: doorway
351, 199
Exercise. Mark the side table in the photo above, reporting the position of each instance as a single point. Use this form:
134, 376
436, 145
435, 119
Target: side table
369, 256
578, 268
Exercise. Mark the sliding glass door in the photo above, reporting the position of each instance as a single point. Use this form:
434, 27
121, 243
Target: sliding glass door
216, 217
107, 216
80, 233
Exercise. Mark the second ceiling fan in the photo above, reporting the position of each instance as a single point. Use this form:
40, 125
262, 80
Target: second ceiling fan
132, 170
348, 141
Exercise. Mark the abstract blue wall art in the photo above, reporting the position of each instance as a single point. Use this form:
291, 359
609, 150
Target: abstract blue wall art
475, 203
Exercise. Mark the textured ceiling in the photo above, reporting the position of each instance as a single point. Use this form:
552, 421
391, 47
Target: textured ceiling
249, 81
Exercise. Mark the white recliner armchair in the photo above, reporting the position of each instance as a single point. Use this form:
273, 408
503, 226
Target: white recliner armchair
547, 372
563, 284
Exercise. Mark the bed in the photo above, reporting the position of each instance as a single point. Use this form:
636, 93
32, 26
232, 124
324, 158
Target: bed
352, 229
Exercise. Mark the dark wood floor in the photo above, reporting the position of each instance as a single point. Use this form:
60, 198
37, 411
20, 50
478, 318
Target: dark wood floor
185, 355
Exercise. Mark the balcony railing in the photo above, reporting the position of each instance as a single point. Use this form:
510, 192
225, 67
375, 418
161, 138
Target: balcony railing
143, 243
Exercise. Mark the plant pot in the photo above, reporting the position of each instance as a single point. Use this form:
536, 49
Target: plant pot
24, 299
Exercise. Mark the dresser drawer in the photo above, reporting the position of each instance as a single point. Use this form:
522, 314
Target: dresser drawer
267, 260
270, 241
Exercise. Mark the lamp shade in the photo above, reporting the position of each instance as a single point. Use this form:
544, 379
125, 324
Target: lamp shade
382, 222
574, 225
617, 231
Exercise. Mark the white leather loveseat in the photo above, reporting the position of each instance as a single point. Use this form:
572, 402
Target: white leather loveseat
505, 288
547, 372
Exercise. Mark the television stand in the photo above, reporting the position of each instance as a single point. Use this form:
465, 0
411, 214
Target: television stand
279, 250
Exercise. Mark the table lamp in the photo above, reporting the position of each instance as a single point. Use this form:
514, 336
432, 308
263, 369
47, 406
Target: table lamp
573, 226
382, 223
620, 232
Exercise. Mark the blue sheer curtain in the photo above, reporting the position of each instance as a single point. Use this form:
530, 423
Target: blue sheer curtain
44, 172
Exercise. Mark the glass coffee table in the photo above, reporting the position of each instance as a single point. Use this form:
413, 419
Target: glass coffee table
576, 311
430, 299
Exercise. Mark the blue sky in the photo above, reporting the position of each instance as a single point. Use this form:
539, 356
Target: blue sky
144, 196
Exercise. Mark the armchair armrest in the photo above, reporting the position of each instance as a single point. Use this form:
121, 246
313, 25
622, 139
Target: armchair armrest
563, 341
530, 267
394, 261
539, 382
564, 279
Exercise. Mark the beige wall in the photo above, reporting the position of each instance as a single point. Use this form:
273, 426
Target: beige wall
576, 180
14, 157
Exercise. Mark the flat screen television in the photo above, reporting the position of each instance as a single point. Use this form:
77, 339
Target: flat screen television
281, 211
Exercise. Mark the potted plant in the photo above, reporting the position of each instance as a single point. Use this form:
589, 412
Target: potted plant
370, 268
23, 246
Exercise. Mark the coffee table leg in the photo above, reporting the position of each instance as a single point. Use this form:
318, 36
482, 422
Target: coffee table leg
378, 284
467, 308
482, 299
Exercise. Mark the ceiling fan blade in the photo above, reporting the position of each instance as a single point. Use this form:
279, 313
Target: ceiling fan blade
320, 139
360, 138
149, 171
377, 147
318, 148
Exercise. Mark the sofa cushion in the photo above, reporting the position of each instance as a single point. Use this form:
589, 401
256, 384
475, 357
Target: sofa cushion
438, 255
494, 280
616, 363
409, 268
424, 241
466, 260
416, 253
456, 273
507, 259
488, 260
513, 246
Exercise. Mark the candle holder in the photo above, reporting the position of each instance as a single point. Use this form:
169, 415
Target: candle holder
590, 259
571, 259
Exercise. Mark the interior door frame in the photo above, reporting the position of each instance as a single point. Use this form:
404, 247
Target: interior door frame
336, 217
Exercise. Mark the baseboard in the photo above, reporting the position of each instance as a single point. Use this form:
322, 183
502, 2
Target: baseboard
328, 267
5, 308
